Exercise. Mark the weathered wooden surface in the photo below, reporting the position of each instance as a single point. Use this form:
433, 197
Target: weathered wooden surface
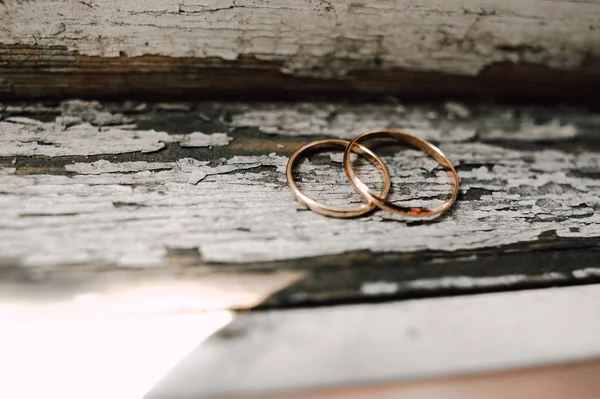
318, 349
97, 195
514, 48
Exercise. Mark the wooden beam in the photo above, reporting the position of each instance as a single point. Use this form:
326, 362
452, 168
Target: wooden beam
510, 49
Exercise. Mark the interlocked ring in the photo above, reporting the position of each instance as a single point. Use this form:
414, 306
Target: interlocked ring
328, 210
414, 141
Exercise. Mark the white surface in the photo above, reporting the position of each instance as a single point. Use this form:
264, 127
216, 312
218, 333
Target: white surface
74, 350
292, 349
319, 38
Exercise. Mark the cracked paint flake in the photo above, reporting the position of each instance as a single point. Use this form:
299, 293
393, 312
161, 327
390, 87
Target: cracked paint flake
588, 272
104, 166
379, 288
84, 128
53, 139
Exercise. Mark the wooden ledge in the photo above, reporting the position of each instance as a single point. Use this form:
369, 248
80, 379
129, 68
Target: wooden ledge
55, 72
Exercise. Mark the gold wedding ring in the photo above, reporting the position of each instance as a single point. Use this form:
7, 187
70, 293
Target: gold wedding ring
373, 200
325, 209
413, 141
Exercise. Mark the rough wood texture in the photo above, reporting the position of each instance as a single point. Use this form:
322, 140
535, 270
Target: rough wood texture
116, 191
529, 48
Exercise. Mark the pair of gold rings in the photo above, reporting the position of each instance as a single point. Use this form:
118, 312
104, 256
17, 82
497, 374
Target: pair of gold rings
379, 200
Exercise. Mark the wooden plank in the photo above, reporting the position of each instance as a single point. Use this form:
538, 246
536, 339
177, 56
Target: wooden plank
533, 49
360, 350
95, 196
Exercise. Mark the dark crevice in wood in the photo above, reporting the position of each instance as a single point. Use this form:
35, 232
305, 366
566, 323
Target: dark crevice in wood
343, 285
55, 72
337, 279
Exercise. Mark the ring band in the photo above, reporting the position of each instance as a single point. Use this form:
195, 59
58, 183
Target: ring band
414, 141
331, 211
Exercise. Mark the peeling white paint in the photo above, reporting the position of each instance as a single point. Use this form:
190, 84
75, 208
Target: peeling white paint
238, 213
481, 282
347, 122
25, 138
74, 112
589, 272
7, 171
239, 209
21, 136
529, 131
465, 282
451, 37
196, 177
379, 288
457, 110
198, 139
104, 166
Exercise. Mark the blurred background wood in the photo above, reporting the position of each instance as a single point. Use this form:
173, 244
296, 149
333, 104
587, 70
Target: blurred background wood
510, 49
